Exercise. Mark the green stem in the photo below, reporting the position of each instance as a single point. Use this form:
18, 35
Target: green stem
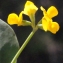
32, 18
22, 47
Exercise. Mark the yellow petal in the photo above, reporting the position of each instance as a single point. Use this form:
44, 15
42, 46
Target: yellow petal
45, 14
42, 9
30, 8
12, 19
52, 12
44, 24
54, 27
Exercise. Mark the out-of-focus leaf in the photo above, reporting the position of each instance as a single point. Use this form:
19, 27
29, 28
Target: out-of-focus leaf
8, 43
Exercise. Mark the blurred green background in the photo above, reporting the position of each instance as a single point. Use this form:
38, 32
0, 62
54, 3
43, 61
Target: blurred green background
43, 47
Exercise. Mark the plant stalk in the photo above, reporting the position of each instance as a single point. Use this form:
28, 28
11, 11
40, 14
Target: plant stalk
22, 47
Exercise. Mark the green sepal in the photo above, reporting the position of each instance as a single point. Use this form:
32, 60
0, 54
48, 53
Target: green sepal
39, 26
26, 23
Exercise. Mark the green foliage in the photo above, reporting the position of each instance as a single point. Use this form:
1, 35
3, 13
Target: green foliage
8, 43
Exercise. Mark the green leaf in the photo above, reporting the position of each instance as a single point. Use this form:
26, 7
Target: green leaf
8, 43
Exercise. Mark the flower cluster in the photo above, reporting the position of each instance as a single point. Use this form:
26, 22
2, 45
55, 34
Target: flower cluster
30, 9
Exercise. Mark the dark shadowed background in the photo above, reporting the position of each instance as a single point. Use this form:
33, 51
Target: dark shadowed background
43, 47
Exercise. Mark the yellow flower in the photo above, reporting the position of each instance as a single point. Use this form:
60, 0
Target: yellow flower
50, 26
15, 19
47, 22
30, 8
